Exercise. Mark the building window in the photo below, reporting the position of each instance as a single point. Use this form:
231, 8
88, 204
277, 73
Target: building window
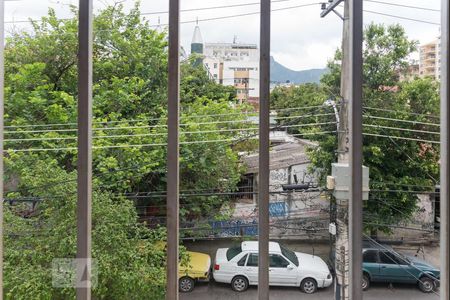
215, 76
215, 65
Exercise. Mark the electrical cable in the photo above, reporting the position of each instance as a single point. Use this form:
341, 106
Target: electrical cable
185, 22
164, 126
402, 112
402, 138
404, 5
400, 120
401, 129
402, 18
160, 134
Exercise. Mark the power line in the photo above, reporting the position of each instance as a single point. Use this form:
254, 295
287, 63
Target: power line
402, 138
161, 134
403, 191
402, 112
212, 7
401, 129
404, 5
247, 14
165, 118
400, 120
187, 22
398, 226
400, 17
163, 125
399, 148
401, 184
152, 145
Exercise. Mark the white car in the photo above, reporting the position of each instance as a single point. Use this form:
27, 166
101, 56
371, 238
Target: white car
239, 267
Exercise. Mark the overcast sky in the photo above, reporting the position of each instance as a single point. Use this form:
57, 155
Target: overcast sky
300, 38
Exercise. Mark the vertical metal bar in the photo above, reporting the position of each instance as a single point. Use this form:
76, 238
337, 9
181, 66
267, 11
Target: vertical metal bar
356, 157
84, 204
2, 105
173, 176
264, 141
445, 150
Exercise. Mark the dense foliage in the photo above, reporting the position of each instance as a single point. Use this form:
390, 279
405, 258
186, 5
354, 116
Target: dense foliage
393, 108
129, 157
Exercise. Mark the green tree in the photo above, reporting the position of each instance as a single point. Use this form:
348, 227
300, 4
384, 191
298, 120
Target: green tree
130, 133
394, 164
130, 105
129, 263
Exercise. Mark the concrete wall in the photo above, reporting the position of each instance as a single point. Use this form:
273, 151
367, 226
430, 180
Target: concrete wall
300, 215
421, 226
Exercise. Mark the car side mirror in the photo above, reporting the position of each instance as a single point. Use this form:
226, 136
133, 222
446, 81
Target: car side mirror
290, 267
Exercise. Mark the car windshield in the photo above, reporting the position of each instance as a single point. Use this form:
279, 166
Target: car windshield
233, 251
289, 255
403, 256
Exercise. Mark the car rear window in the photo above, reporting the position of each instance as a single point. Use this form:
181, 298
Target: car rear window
289, 255
233, 251
241, 262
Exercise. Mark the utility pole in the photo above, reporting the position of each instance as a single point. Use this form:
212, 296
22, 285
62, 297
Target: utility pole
341, 171
341, 243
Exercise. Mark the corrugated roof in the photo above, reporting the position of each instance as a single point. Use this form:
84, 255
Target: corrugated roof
281, 156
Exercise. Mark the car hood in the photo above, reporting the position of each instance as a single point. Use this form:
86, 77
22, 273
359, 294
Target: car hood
198, 262
312, 263
421, 264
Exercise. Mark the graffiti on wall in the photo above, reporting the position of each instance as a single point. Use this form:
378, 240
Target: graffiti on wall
278, 209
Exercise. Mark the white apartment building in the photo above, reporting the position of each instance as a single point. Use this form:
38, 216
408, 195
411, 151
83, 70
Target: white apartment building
232, 64
235, 64
430, 59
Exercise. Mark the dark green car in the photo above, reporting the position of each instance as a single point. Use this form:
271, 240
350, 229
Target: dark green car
382, 264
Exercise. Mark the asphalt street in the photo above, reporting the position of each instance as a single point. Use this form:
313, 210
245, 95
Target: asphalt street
383, 291
216, 291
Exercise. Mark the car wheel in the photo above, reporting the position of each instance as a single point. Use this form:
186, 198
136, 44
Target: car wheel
308, 286
239, 284
186, 284
365, 282
426, 284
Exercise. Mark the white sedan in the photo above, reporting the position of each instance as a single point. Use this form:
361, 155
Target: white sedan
239, 267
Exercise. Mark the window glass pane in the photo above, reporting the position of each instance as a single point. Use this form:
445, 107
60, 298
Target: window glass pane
233, 251
241, 262
390, 258
290, 255
277, 261
252, 260
370, 256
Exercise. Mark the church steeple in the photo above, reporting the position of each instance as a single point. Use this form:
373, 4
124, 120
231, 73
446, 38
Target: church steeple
197, 46
197, 41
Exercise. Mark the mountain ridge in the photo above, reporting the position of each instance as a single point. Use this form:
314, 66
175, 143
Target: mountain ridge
282, 74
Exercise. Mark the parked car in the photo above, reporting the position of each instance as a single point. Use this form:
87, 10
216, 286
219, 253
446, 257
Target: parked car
238, 266
197, 269
383, 264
